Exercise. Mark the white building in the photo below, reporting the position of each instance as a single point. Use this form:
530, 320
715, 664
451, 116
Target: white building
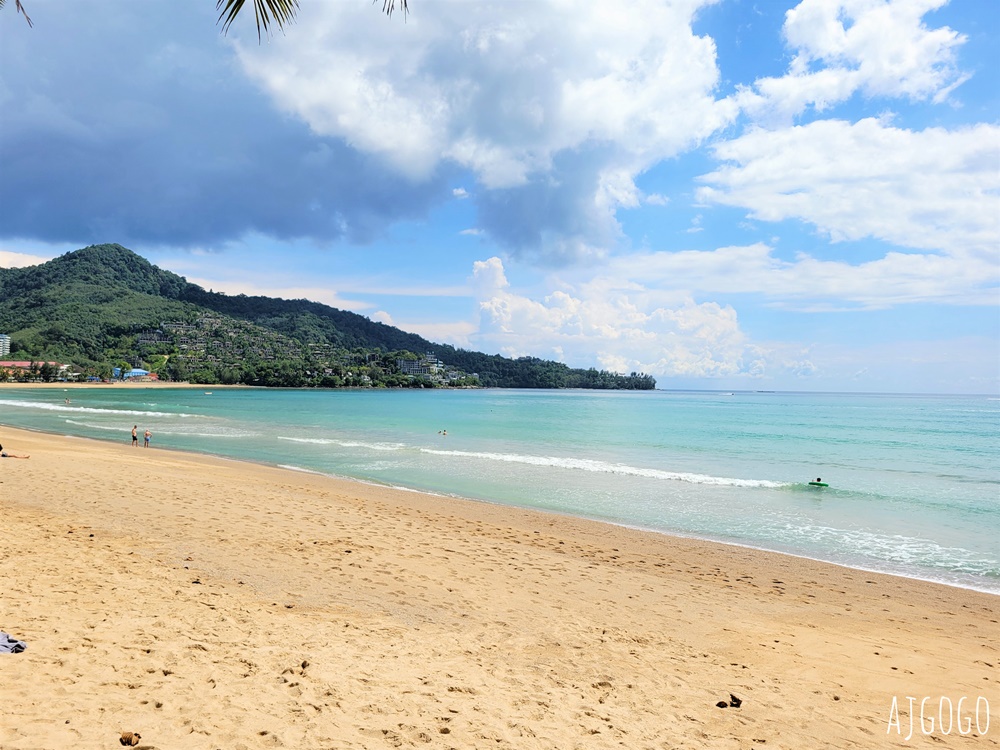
426, 365
4, 344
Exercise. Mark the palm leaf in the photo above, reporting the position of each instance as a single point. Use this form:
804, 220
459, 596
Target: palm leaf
20, 9
266, 12
388, 6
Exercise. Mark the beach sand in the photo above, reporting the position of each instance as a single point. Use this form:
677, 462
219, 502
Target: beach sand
206, 603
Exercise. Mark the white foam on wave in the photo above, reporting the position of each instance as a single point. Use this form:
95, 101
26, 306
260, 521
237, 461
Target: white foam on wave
604, 467
44, 406
908, 551
215, 431
346, 443
290, 467
372, 446
985, 585
106, 428
221, 432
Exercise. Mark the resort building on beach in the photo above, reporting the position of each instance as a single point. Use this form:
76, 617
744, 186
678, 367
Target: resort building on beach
136, 375
4, 344
23, 369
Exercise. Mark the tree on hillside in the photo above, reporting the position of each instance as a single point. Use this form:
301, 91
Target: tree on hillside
266, 12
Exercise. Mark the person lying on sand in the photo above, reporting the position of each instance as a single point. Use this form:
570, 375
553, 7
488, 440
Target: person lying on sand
4, 454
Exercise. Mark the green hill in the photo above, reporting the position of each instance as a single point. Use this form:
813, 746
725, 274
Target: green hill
105, 306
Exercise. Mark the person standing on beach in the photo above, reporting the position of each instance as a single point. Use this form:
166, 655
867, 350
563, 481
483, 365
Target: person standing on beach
135, 436
145, 438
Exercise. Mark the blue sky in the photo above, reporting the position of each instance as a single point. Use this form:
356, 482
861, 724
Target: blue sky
729, 194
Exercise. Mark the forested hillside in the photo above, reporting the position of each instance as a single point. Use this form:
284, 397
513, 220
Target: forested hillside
104, 306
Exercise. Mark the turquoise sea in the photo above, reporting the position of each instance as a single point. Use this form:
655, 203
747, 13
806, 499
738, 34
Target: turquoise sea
914, 480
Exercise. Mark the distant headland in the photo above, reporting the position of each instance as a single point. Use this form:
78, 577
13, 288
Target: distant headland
104, 313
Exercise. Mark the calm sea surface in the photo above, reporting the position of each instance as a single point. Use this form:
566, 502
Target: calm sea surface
914, 480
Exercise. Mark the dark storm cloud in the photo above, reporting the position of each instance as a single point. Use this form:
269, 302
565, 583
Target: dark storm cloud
143, 129
552, 216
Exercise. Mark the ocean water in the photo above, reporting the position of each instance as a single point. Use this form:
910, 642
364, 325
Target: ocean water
914, 480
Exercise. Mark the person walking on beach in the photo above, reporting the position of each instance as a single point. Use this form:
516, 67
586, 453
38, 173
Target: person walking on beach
145, 438
135, 436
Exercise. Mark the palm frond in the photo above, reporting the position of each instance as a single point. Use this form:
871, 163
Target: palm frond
266, 12
20, 9
388, 6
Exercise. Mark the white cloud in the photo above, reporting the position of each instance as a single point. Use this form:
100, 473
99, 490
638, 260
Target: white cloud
933, 189
875, 47
808, 283
488, 277
506, 91
621, 326
641, 313
11, 259
570, 102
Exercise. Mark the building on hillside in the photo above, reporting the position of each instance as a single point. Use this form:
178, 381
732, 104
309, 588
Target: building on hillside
147, 338
426, 365
4, 344
413, 367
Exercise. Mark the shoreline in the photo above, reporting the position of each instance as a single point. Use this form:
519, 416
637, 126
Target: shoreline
669, 534
747, 392
125, 384
174, 593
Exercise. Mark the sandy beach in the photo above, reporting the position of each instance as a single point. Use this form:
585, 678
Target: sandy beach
206, 603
